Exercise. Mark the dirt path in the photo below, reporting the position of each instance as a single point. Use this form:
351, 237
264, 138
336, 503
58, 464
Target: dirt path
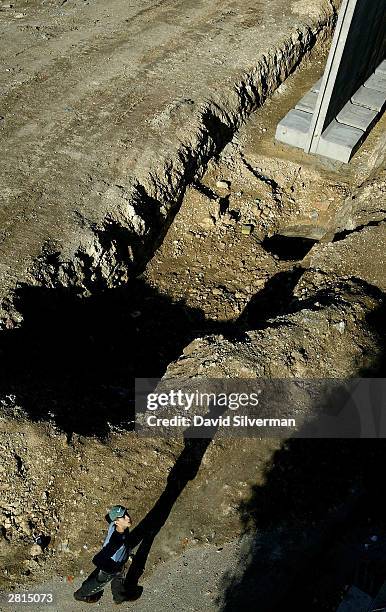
189, 582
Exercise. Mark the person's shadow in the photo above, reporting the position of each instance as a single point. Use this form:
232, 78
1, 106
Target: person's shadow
184, 470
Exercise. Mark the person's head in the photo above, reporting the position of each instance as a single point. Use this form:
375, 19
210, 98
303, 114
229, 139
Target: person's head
120, 517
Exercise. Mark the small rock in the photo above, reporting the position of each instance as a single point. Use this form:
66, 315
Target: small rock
247, 229
226, 185
25, 527
207, 222
35, 550
19, 15
217, 291
340, 326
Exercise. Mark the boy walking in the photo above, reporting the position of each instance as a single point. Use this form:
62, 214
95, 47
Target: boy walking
110, 560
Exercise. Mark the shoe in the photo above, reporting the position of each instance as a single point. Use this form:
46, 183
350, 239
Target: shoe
131, 594
88, 598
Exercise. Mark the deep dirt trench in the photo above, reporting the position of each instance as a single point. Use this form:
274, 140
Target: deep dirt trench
71, 350
236, 259
81, 352
128, 156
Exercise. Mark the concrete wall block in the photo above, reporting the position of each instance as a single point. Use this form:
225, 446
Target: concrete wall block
377, 81
370, 98
381, 68
293, 129
307, 102
356, 116
340, 141
355, 601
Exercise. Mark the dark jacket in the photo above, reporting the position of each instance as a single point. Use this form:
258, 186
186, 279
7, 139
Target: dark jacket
115, 551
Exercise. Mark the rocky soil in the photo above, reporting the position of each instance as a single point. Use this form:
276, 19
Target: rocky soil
263, 262
105, 120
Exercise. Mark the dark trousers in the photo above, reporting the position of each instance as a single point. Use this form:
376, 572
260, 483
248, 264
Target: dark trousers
96, 582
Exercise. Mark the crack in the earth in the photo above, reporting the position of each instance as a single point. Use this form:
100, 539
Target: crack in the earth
277, 191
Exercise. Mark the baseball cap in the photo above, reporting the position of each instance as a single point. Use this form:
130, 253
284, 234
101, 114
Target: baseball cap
117, 512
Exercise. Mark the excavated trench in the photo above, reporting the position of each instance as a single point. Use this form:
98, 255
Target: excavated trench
122, 247
127, 307
73, 337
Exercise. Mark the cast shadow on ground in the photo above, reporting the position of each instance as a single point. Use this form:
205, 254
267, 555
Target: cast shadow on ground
315, 489
276, 298
74, 360
82, 347
317, 494
184, 470
309, 482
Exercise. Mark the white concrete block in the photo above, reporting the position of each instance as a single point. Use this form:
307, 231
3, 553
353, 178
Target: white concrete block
370, 98
376, 81
381, 68
356, 116
339, 141
293, 129
308, 102
316, 87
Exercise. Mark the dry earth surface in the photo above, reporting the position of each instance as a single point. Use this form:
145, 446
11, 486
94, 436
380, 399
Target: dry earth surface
120, 150
106, 118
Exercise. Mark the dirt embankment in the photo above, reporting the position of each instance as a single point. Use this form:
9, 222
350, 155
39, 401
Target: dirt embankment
267, 245
106, 119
